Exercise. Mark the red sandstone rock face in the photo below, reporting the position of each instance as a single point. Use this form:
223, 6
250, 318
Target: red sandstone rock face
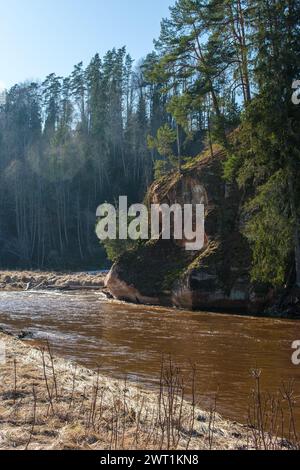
120, 290
187, 190
217, 278
240, 299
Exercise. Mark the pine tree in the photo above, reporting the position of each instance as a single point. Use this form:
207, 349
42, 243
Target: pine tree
269, 143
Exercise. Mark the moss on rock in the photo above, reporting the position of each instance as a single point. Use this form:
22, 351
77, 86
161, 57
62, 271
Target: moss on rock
217, 277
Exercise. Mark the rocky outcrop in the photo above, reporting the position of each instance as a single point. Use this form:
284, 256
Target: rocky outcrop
218, 277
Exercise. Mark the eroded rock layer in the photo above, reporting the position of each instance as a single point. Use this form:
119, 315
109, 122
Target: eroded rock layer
215, 278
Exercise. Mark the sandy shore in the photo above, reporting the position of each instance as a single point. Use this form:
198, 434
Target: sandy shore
50, 403
25, 280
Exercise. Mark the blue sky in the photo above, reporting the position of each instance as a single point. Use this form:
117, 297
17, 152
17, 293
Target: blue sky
38, 37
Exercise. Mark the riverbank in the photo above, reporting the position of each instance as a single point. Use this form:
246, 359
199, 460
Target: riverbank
39, 280
50, 403
288, 307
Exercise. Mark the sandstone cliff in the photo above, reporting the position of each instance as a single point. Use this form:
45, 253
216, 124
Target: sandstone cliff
216, 278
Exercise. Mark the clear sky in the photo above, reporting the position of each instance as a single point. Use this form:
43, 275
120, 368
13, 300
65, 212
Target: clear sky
38, 37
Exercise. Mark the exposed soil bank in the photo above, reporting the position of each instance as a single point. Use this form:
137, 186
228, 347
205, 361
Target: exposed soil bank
57, 405
27, 280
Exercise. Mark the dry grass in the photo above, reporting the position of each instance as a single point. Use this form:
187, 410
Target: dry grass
271, 417
49, 403
24, 280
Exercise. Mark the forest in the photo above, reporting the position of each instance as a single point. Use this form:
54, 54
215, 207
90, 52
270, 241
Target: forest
221, 73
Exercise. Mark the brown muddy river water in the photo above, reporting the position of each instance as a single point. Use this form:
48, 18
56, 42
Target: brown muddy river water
130, 340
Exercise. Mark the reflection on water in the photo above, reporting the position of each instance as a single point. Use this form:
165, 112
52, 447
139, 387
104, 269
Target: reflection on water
129, 340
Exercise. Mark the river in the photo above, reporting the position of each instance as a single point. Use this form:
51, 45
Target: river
130, 340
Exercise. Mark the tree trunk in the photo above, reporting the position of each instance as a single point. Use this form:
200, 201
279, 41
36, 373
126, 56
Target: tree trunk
296, 229
178, 148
